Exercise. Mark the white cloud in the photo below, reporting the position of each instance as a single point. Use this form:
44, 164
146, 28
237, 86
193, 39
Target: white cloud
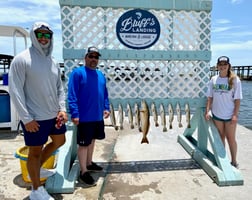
240, 52
235, 46
29, 11
236, 1
222, 21
220, 29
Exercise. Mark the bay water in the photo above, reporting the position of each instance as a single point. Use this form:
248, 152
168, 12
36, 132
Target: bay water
245, 114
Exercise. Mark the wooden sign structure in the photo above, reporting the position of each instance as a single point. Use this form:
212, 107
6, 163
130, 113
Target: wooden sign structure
166, 62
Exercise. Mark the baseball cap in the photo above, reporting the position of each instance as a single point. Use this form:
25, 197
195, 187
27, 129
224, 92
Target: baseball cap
223, 59
92, 49
43, 26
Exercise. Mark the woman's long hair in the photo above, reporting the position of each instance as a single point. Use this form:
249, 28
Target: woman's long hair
231, 76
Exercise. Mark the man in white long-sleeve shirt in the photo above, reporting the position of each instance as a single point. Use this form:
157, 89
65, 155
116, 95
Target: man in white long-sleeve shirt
37, 92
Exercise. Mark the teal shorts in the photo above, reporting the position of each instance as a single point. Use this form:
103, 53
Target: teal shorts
219, 119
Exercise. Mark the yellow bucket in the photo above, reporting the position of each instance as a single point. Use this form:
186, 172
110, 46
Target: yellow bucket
22, 154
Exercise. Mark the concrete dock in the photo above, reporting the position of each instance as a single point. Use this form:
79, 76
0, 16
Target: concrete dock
161, 169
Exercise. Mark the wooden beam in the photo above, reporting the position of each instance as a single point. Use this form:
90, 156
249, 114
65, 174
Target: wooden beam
216, 165
67, 166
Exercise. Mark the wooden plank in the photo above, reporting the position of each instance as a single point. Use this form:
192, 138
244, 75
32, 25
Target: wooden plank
194, 123
202, 138
186, 144
221, 156
213, 171
197, 5
64, 179
216, 165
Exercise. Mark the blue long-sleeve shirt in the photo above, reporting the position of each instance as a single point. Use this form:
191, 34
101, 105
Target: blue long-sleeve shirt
87, 94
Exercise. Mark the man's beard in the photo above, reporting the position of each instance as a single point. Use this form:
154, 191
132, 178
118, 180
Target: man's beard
45, 48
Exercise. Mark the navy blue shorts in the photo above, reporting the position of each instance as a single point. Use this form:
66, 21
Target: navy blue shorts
222, 120
47, 127
87, 131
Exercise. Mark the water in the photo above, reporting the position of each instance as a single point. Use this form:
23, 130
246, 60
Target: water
245, 115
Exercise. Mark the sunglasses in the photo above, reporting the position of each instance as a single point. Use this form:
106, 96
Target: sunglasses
95, 57
39, 35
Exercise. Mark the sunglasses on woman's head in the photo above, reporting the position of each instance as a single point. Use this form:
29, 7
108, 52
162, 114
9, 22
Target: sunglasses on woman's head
39, 35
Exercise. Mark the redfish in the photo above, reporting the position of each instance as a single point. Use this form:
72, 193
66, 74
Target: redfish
145, 121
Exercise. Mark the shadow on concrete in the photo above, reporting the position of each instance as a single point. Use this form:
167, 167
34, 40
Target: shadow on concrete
18, 180
8, 134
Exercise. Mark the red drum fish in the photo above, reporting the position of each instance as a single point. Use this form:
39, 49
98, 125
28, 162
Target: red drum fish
145, 121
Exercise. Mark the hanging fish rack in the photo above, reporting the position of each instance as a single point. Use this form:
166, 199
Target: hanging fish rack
193, 103
181, 107
157, 110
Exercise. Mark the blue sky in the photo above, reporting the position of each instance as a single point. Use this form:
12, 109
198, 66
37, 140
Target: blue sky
231, 27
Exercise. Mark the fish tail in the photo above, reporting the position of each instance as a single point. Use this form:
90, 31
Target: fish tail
145, 140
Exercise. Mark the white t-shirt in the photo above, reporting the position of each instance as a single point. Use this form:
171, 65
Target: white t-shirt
223, 97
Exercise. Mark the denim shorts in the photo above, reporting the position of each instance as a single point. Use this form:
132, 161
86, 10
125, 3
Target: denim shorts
47, 127
219, 119
87, 131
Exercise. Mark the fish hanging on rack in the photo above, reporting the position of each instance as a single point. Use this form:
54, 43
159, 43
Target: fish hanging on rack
179, 115
163, 117
154, 113
188, 115
145, 121
137, 116
112, 116
130, 116
120, 116
171, 115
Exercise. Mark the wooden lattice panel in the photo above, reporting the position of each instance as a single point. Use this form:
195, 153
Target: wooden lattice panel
181, 30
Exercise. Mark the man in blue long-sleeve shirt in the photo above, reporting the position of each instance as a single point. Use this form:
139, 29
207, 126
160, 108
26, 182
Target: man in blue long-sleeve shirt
88, 104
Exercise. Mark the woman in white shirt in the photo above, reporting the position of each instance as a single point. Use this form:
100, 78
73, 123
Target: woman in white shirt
224, 95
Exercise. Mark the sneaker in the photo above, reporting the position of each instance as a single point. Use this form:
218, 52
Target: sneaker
236, 165
87, 179
94, 167
40, 194
45, 173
